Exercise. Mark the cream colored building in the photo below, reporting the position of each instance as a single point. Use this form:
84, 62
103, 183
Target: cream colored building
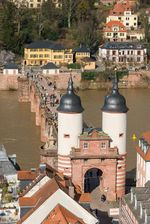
42, 52
115, 31
123, 13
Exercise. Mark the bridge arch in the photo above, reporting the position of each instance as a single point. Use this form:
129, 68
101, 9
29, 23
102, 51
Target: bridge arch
92, 179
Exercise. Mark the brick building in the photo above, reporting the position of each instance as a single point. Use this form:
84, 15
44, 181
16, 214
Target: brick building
92, 151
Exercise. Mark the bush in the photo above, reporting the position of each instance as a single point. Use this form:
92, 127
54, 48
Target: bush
74, 66
122, 73
88, 75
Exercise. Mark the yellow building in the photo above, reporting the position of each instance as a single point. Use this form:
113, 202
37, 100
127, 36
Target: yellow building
88, 63
42, 52
80, 53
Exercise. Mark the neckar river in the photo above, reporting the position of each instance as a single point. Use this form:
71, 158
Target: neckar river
19, 134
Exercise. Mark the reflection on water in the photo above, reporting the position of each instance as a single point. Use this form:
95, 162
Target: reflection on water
20, 135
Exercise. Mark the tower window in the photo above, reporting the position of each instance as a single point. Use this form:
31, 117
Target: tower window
103, 145
85, 145
66, 136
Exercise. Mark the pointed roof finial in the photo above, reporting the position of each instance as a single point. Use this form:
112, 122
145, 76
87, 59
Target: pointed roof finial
115, 82
70, 85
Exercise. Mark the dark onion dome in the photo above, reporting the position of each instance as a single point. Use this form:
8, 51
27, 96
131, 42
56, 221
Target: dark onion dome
70, 102
115, 102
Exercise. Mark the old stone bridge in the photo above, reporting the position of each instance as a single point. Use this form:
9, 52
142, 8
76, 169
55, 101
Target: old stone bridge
44, 99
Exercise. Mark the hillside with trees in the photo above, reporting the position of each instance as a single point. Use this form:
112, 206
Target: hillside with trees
77, 22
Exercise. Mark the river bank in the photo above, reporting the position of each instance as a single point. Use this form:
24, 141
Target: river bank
139, 79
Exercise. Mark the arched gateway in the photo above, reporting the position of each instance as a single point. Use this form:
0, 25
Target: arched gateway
92, 179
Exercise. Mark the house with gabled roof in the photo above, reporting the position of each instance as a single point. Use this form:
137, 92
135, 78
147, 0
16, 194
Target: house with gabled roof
45, 200
10, 69
115, 31
50, 68
124, 13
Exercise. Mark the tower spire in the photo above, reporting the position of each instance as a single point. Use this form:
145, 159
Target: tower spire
70, 85
115, 83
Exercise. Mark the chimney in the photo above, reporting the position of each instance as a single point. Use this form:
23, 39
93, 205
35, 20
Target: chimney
42, 167
71, 191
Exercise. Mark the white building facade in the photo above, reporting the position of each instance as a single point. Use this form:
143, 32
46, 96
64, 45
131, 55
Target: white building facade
123, 52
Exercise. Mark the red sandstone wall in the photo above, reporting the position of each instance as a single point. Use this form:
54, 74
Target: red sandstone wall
8, 82
62, 79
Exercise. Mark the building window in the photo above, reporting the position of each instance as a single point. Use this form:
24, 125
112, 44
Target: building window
138, 59
103, 145
138, 52
120, 135
31, 5
66, 136
120, 59
114, 52
85, 145
127, 24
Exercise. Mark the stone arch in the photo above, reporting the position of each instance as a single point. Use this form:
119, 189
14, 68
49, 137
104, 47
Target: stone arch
92, 179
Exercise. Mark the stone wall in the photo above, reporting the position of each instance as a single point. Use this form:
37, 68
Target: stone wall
8, 82
23, 89
62, 78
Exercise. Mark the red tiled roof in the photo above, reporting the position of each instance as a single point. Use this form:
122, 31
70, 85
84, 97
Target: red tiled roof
39, 197
26, 175
61, 215
120, 8
110, 24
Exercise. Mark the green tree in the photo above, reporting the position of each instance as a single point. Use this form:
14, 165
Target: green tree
8, 25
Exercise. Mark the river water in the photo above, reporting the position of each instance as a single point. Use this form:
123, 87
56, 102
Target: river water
19, 134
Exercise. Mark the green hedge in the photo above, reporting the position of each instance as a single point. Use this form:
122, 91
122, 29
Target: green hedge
88, 75
74, 66
102, 76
